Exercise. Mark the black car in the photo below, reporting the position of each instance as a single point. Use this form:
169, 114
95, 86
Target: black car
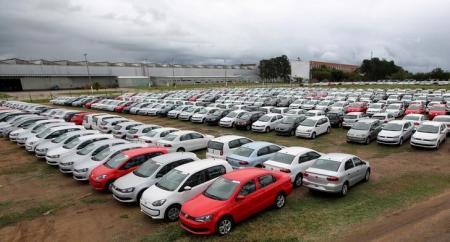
164, 110
214, 118
247, 119
288, 125
336, 118
285, 102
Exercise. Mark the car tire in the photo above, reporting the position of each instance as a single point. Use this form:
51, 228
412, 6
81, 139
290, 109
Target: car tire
292, 133
438, 144
367, 141
224, 226
181, 149
298, 180
139, 195
328, 130
267, 130
280, 200
172, 213
344, 189
367, 176
109, 186
248, 128
313, 135
400, 142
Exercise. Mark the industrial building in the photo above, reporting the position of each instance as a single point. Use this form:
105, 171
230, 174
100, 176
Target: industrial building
302, 69
18, 75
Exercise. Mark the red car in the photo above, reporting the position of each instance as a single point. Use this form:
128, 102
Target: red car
415, 109
437, 109
357, 107
78, 118
234, 197
89, 104
103, 176
119, 108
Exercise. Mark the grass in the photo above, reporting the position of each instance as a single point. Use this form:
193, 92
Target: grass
33, 212
4, 96
324, 217
96, 200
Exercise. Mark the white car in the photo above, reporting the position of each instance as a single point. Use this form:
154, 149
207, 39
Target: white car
313, 126
295, 112
185, 140
314, 113
47, 134
53, 157
395, 132
200, 116
351, 118
120, 130
164, 199
106, 126
417, 119
82, 170
134, 133
383, 117
445, 119
222, 146
375, 108
228, 121
294, 161
395, 109
97, 120
67, 162
24, 136
267, 122
151, 138
174, 113
430, 134
42, 148
130, 187
88, 120
26, 130
187, 114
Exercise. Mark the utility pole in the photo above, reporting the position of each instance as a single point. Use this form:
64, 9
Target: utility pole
173, 71
89, 74
225, 69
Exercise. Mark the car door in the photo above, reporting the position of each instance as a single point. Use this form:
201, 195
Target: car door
266, 193
359, 169
350, 172
261, 156
197, 183
407, 130
198, 141
186, 142
305, 161
245, 206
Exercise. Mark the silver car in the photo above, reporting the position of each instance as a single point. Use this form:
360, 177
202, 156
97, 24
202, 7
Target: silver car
130, 187
336, 173
364, 131
395, 132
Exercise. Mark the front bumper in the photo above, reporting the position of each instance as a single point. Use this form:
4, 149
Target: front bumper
196, 227
258, 129
356, 139
80, 176
129, 197
423, 143
149, 210
388, 140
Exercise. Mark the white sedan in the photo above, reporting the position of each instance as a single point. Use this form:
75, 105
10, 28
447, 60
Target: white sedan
185, 140
430, 134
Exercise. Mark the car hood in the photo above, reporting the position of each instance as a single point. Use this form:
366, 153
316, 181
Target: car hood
101, 170
86, 164
18, 131
257, 123
421, 135
389, 133
155, 193
131, 180
226, 119
208, 206
284, 126
57, 151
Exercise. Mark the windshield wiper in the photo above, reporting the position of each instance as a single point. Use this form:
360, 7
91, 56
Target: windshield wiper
212, 196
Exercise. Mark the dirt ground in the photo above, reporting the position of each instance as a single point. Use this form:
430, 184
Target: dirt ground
50, 206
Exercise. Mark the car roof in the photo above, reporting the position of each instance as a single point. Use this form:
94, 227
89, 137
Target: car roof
257, 144
181, 132
399, 121
337, 156
198, 165
87, 137
170, 157
125, 146
295, 150
244, 175
65, 127
415, 114
227, 138
368, 120
143, 150
434, 123
354, 113
315, 118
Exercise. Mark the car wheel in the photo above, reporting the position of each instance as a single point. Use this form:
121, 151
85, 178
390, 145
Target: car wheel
292, 133
339, 125
267, 130
109, 186
344, 189
224, 226
367, 176
181, 149
401, 141
298, 181
438, 144
367, 141
172, 213
138, 197
328, 130
248, 128
313, 135
280, 200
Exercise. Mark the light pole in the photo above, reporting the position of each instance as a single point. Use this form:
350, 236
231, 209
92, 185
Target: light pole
225, 70
89, 74
173, 72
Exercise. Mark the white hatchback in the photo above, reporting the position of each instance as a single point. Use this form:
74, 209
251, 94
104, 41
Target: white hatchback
430, 134
313, 126
222, 146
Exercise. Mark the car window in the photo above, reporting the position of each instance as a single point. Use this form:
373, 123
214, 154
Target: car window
185, 137
99, 149
136, 161
349, 165
357, 161
274, 148
266, 180
196, 179
248, 188
263, 151
196, 136
172, 165
234, 144
244, 141
273, 119
214, 172
146, 130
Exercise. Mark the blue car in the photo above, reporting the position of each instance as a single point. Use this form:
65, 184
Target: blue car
252, 154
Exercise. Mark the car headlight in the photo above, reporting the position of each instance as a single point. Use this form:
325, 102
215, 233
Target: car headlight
131, 189
159, 202
32, 143
101, 177
45, 150
67, 163
204, 219
82, 170
53, 156
432, 140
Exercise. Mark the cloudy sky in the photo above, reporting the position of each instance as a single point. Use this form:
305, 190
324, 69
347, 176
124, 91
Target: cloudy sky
414, 33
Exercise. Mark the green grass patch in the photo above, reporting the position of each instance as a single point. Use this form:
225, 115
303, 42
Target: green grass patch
124, 216
4, 96
13, 216
96, 200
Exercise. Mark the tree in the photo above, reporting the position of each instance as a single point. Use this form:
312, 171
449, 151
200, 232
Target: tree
376, 69
278, 67
439, 74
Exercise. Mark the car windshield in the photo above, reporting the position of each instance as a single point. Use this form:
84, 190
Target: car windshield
61, 138
133, 131
355, 105
375, 105
90, 147
72, 143
441, 119
337, 104
431, 129
215, 145
116, 161
394, 106
308, 123
414, 107
179, 108
172, 180
289, 120
350, 116
44, 133
379, 117
151, 133
437, 108
393, 127
361, 126
243, 151
282, 158
217, 112
232, 115
102, 154
190, 109
246, 116
413, 118
221, 189
265, 118
291, 112
147, 169
325, 164
170, 137
203, 111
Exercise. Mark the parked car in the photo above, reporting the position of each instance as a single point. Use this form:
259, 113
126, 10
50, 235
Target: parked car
313, 126
267, 122
383, 117
121, 129
164, 199
395, 132
415, 109
246, 120
289, 124
375, 108
336, 118
430, 134
135, 132
445, 119
187, 114
151, 138
103, 176
107, 126
42, 149
351, 118
435, 110
222, 146
293, 161
231, 199
253, 154
48, 134
336, 173
416, 119
314, 113
215, 117
201, 115
396, 109
364, 131
357, 107
185, 140
130, 187
228, 121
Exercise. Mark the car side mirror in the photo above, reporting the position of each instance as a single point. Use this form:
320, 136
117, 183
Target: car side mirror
187, 188
240, 197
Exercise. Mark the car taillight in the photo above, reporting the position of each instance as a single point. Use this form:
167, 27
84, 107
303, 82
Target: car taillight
221, 152
333, 178
167, 145
135, 136
243, 163
148, 141
305, 174
416, 123
285, 170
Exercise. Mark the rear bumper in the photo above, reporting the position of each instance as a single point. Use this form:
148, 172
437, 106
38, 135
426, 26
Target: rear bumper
331, 188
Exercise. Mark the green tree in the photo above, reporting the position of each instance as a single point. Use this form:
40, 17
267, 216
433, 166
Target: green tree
376, 69
274, 68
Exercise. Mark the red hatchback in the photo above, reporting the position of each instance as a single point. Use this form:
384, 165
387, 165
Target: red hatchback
437, 109
103, 176
415, 109
234, 197
78, 118
357, 107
